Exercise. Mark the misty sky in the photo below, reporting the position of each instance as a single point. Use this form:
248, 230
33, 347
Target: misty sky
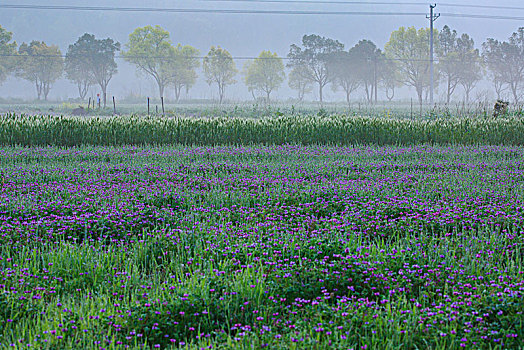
240, 34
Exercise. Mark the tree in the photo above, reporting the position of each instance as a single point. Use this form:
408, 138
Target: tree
40, 64
315, 56
78, 64
459, 62
150, 49
299, 81
449, 66
345, 67
8, 51
182, 68
389, 78
411, 50
103, 63
371, 63
219, 68
505, 60
469, 62
265, 73
92, 60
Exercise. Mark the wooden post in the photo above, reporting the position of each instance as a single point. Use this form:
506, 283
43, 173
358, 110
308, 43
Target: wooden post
411, 114
148, 106
163, 110
114, 105
89, 104
156, 106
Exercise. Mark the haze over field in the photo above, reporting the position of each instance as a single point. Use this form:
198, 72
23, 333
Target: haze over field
241, 34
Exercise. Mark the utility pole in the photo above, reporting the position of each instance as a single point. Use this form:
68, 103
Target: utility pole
432, 18
375, 75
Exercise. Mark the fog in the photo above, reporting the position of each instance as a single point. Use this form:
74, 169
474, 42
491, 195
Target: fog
240, 34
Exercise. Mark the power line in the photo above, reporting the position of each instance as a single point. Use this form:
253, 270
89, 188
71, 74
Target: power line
492, 7
464, 15
214, 11
329, 2
247, 11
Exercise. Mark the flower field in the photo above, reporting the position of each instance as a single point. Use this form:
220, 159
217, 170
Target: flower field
278, 247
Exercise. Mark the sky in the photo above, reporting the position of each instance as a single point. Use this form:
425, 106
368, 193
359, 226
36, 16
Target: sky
240, 34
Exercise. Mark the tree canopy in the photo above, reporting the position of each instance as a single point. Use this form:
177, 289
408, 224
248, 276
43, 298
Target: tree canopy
298, 80
8, 51
345, 69
40, 64
90, 60
265, 73
410, 48
78, 65
149, 48
371, 63
314, 54
470, 64
219, 69
182, 68
505, 60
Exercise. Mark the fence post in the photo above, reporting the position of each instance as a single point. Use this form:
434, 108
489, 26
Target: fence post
114, 105
163, 110
411, 113
148, 106
89, 104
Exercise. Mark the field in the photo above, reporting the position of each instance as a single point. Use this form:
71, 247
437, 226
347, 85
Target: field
246, 247
338, 129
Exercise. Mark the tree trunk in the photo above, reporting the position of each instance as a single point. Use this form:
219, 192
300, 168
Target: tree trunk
320, 87
161, 88
301, 93
448, 98
498, 88
103, 87
267, 95
392, 93
82, 89
514, 90
420, 93
38, 85
178, 88
220, 92
47, 88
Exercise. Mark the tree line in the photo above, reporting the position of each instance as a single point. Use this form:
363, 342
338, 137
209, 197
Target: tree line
316, 61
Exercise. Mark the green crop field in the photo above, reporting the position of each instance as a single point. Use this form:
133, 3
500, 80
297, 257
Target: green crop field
340, 129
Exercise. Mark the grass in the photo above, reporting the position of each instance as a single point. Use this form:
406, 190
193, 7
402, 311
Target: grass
246, 247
